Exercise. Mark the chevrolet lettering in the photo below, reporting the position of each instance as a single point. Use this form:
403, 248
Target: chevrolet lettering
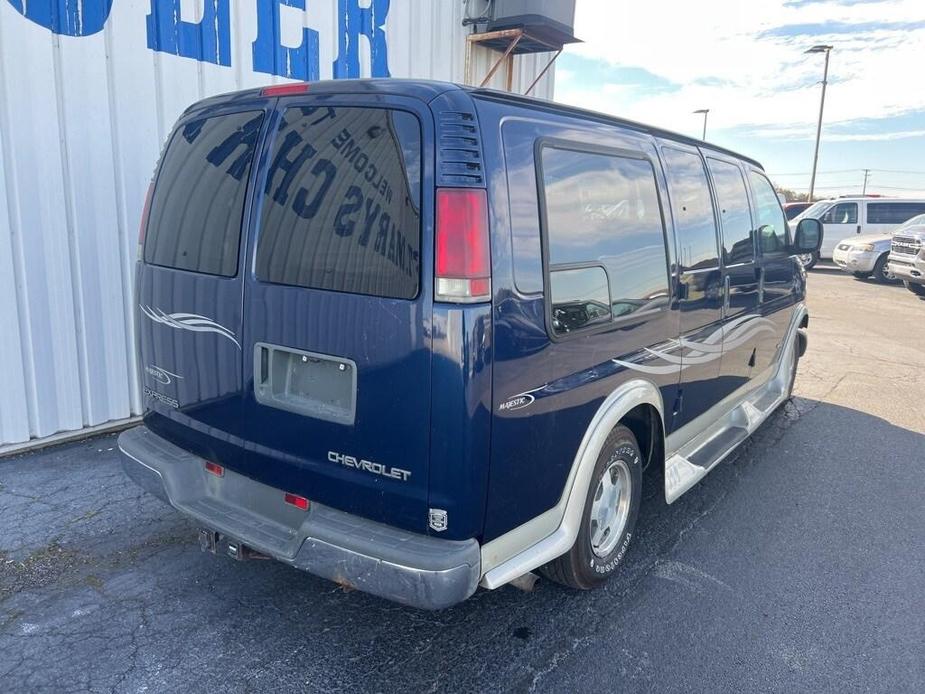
375, 468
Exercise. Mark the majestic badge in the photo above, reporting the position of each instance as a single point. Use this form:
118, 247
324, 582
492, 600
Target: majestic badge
189, 321
521, 400
162, 376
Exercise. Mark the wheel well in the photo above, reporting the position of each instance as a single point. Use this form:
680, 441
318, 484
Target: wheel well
804, 321
646, 425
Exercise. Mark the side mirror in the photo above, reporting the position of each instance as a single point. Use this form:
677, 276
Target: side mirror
808, 237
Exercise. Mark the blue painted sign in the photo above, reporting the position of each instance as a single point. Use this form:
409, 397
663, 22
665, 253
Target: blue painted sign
66, 17
209, 40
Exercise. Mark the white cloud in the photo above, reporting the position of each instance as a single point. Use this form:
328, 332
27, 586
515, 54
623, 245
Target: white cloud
752, 75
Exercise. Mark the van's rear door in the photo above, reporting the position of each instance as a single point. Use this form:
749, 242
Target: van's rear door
336, 342
189, 287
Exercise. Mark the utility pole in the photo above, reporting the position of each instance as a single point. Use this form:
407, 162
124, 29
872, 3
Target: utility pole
825, 80
866, 176
704, 111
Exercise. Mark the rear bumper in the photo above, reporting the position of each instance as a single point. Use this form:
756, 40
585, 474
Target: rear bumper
406, 567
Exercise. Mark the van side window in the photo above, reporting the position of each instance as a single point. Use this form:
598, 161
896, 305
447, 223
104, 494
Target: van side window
736, 218
198, 201
842, 213
341, 203
772, 225
601, 212
893, 212
692, 208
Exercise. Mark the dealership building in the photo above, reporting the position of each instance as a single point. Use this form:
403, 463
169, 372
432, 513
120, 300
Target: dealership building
89, 91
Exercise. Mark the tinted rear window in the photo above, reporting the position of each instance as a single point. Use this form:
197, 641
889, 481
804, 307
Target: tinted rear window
341, 205
195, 219
893, 212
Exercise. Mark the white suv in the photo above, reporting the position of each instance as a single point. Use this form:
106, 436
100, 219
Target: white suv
869, 254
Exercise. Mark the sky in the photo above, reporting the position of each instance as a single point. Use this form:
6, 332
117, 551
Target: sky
657, 61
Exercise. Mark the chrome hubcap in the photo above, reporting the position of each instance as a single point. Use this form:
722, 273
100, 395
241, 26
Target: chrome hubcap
610, 508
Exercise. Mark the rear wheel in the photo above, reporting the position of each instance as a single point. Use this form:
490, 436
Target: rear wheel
609, 516
917, 289
882, 270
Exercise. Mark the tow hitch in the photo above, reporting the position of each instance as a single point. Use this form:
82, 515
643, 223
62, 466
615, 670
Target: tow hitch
214, 542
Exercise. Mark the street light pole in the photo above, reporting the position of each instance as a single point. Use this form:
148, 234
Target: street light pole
704, 111
825, 80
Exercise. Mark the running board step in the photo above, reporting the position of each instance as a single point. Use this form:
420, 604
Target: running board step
689, 465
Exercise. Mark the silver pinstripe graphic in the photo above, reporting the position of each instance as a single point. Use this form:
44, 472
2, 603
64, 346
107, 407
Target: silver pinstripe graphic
189, 321
727, 337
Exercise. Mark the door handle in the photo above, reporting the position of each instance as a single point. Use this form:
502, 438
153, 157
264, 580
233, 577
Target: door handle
859, 229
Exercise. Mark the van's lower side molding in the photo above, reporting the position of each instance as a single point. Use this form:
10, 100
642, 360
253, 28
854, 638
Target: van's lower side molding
406, 567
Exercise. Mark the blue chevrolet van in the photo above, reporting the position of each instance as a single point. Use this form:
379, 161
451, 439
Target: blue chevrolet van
416, 338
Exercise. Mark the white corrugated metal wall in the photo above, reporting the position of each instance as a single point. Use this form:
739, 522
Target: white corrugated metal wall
89, 90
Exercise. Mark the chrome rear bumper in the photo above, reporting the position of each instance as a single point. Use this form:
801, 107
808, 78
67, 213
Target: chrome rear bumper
406, 567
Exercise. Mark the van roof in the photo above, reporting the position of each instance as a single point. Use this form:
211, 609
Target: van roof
427, 90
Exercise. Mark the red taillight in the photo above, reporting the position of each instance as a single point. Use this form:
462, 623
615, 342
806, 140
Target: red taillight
143, 225
215, 469
300, 502
285, 89
462, 267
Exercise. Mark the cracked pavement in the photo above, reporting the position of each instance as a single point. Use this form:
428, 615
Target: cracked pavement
797, 564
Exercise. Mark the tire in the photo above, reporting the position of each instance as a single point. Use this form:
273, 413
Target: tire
597, 553
881, 274
809, 260
861, 275
917, 289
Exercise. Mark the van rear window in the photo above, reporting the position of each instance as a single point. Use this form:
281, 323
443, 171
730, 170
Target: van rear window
195, 219
341, 204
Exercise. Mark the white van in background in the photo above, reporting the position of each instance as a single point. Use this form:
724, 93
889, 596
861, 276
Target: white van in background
849, 217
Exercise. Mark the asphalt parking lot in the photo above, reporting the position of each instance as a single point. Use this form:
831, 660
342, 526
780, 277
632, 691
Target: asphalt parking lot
798, 564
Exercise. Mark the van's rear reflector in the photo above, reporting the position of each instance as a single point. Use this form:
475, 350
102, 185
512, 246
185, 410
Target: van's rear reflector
215, 469
299, 502
285, 89
462, 267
